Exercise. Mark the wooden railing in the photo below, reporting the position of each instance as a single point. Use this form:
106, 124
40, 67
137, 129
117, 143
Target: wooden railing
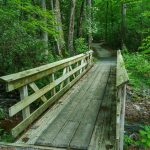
121, 81
61, 75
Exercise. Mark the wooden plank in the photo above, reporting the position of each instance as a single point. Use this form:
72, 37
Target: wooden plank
122, 76
68, 79
35, 88
17, 80
122, 116
118, 112
40, 125
79, 112
20, 127
53, 91
91, 112
95, 139
83, 134
64, 137
49, 134
23, 95
101, 136
62, 84
30, 99
77, 115
54, 129
72, 69
14, 146
83, 137
100, 90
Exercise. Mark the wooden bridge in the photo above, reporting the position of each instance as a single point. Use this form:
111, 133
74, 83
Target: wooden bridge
81, 106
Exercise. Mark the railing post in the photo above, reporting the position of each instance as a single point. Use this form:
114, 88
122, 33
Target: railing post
23, 94
68, 80
53, 92
122, 116
118, 103
91, 58
64, 72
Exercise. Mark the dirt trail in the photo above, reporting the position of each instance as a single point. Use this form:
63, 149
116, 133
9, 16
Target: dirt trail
103, 54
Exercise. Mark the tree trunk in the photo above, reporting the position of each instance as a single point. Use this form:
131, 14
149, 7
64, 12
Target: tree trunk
44, 33
80, 20
106, 23
60, 38
71, 28
112, 19
123, 28
89, 19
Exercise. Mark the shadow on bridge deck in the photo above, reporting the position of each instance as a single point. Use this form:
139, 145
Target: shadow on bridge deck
84, 118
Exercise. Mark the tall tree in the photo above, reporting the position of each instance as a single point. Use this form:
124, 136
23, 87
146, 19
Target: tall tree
89, 19
71, 28
60, 42
106, 21
45, 33
80, 20
123, 28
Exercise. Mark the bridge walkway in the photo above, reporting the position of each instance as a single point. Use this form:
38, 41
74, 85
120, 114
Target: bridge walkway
84, 118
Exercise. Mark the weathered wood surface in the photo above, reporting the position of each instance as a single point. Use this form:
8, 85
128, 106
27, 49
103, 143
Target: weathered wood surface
122, 76
17, 80
103, 137
122, 79
39, 93
70, 70
34, 132
25, 123
14, 146
72, 127
84, 118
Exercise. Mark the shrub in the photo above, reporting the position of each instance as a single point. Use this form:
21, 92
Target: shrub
138, 68
80, 45
144, 139
2, 113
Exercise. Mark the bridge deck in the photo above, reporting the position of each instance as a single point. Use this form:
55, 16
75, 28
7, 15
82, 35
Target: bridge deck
84, 118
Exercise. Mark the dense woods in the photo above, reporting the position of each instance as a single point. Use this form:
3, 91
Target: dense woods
37, 32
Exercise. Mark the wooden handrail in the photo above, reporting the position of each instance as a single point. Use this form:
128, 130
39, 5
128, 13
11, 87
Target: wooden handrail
122, 76
17, 80
121, 81
72, 69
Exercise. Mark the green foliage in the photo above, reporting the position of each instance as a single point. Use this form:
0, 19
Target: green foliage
5, 136
145, 47
2, 113
128, 140
138, 68
80, 45
20, 44
108, 21
144, 140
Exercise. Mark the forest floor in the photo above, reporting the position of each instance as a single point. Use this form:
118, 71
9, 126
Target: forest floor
137, 106
137, 116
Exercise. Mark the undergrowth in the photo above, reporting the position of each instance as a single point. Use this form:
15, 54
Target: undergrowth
138, 67
141, 141
4, 135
